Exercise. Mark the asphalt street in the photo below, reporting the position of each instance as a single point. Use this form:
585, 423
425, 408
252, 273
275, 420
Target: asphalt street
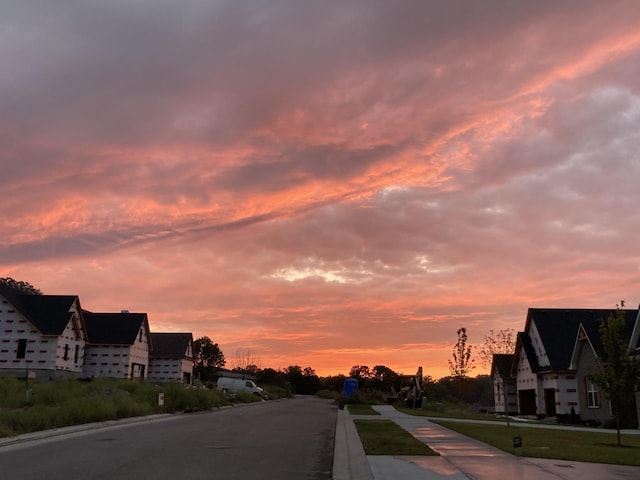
292, 439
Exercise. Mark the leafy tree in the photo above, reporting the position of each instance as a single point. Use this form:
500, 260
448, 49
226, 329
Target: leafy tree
311, 381
481, 390
252, 369
293, 374
383, 378
461, 363
248, 370
335, 382
207, 358
293, 371
270, 376
477, 390
496, 343
362, 373
443, 390
427, 382
619, 371
302, 380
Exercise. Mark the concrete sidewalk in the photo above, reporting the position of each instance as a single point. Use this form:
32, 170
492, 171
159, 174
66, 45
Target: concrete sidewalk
460, 457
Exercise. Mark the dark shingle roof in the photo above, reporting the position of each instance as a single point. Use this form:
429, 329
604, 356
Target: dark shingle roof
113, 328
170, 345
593, 331
50, 314
558, 329
525, 341
502, 362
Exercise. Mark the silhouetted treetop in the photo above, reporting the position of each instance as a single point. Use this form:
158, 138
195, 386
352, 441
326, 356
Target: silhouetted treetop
20, 286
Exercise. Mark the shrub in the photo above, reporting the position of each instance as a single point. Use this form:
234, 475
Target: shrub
328, 394
12, 392
69, 402
274, 392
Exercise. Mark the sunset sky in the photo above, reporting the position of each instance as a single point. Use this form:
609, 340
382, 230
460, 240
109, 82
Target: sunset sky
323, 183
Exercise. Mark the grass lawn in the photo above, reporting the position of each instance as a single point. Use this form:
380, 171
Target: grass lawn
384, 437
358, 409
558, 444
449, 411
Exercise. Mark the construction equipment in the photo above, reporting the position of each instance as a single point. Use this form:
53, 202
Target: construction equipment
410, 391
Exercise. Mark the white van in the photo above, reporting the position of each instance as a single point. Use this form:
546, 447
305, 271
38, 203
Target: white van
238, 385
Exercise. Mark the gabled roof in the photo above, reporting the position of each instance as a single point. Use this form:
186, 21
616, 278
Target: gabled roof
115, 328
50, 314
583, 338
523, 341
171, 345
501, 363
592, 332
558, 329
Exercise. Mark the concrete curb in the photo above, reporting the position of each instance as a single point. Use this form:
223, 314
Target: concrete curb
57, 432
349, 459
107, 424
82, 427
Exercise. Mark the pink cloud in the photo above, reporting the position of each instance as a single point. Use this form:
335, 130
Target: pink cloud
325, 186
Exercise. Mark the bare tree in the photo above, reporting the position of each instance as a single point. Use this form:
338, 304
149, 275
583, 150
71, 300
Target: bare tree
245, 358
502, 342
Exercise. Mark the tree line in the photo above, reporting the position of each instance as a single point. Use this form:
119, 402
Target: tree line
209, 360
618, 375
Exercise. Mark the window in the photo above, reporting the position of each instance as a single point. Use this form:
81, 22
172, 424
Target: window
66, 352
140, 336
22, 348
593, 394
76, 354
